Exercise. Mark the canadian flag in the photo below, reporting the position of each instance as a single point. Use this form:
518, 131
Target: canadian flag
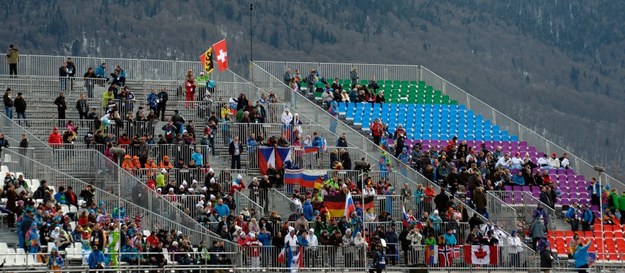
221, 53
481, 255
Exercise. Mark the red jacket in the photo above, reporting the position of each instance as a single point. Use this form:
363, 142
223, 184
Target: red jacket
189, 88
55, 138
376, 129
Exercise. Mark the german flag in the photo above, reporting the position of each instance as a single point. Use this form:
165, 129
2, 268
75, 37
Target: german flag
207, 60
335, 204
368, 202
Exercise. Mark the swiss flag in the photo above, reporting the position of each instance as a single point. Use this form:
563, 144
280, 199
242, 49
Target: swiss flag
221, 54
481, 255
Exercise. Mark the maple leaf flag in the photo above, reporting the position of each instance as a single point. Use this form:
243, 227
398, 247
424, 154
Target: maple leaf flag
481, 255
221, 53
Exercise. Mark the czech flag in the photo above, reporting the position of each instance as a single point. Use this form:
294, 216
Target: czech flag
282, 156
266, 157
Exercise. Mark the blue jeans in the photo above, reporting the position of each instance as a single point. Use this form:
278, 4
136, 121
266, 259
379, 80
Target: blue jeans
8, 111
21, 114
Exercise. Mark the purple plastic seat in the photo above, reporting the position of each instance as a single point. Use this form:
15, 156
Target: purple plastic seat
560, 171
525, 188
518, 200
570, 172
508, 188
552, 172
516, 188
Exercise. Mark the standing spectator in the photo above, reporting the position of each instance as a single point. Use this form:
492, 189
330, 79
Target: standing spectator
3, 144
20, 106
353, 75
96, 259
546, 260
581, 256
63, 76
162, 104
516, 247
537, 229
587, 218
71, 72
376, 131
234, 150
55, 261
89, 81
8, 104
13, 58
479, 199
153, 100
61, 105
595, 190
82, 105
189, 93
287, 76
119, 76
107, 96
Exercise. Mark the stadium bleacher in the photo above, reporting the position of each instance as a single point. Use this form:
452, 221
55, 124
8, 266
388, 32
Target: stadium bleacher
429, 116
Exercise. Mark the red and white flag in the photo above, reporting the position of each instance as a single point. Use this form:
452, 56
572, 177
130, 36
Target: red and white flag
221, 53
481, 255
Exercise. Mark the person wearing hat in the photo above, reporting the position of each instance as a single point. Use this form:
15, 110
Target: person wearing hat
515, 248
554, 161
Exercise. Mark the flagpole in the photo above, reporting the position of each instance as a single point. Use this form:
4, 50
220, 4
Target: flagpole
362, 206
251, 33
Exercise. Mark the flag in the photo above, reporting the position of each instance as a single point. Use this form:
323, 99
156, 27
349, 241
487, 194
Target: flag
349, 205
369, 202
431, 255
266, 156
335, 205
283, 155
207, 60
455, 251
592, 258
293, 177
299, 258
481, 255
311, 149
404, 216
445, 255
222, 54
281, 255
310, 178
319, 182
324, 146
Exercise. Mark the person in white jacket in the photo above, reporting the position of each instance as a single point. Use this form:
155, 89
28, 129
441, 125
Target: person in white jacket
312, 239
515, 247
554, 162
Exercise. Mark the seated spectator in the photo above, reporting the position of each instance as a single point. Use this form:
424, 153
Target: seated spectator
518, 179
554, 162
542, 161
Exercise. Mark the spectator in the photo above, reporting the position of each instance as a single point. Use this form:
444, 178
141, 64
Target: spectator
595, 190
161, 107
542, 161
537, 229
234, 150
63, 76
20, 106
55, 139
587, 218
55, 261
581, 256
61, 105
554, 162
189, 92
353, 76
119, 76
8, 103
96, 259
100, 73
13, 58
479, 199
516, 247
546, 260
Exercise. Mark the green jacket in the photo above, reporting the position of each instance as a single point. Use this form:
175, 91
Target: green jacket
621, 202
202, 80
615, 199
106, 97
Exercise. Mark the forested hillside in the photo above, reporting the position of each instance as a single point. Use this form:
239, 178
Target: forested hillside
555, 65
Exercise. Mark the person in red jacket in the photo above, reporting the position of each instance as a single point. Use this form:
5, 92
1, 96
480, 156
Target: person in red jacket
376, 131
189, 93
55, 138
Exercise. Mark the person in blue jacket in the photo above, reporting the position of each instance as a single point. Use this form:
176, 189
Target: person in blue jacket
581, 256
308, 210
100, 72
96, 259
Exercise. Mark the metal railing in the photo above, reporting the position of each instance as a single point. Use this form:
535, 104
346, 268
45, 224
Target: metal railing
500, 212
525, 204
135, 201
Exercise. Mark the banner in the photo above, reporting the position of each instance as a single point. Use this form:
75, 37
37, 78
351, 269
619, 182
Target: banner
266, 157
221, 52
335, 204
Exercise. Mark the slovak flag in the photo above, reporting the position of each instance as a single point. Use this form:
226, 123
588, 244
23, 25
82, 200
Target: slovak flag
266, 156
221, 53
481, 255
349, 205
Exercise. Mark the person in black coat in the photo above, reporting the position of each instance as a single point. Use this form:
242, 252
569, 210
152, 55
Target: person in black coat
20, 106
61, 105
235, 149
405, 243
546, 260
441, 201
163, 97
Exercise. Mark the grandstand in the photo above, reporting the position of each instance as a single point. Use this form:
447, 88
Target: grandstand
171, 200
